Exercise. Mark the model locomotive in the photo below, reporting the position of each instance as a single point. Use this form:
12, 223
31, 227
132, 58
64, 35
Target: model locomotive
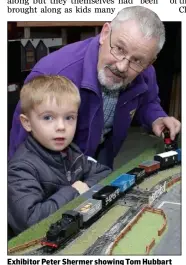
62, 230
72, 221
170, 145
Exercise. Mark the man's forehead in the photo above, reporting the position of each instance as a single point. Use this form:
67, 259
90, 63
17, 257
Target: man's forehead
128, 25
130, 28
129, 34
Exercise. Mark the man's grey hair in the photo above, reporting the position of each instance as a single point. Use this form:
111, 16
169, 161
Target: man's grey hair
149, 22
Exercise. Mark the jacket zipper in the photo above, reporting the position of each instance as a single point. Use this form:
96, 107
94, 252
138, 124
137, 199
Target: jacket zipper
68, 172
94, 112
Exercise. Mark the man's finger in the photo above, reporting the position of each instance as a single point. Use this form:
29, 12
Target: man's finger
172, 134
169, 123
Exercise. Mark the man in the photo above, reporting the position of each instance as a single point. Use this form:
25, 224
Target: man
116, 79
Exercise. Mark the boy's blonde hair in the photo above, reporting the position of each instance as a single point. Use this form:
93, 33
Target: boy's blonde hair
43, 87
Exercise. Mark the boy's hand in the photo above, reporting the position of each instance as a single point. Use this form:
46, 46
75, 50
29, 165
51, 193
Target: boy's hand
80, 186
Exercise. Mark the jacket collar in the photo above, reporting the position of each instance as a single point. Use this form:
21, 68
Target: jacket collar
54, 158
90, 79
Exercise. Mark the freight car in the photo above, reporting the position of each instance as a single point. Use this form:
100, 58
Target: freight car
108, 195
124, 182
150, 166
88, 209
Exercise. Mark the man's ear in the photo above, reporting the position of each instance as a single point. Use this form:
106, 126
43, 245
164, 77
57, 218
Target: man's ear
104, 32
25, 122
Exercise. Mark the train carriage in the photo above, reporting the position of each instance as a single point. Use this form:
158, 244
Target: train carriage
167, 159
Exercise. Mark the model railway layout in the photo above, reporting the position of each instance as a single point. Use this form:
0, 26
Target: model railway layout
74, 220
123, 189
101, 245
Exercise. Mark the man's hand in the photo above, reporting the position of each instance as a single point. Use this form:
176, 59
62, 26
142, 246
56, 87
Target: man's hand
80, 186
171, 123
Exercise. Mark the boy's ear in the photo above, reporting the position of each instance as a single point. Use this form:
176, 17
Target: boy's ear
25, 122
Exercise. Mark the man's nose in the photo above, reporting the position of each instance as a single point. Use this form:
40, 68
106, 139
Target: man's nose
123, 65
60, 126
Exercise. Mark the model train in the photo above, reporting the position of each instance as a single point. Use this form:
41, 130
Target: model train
168, 143
72, 221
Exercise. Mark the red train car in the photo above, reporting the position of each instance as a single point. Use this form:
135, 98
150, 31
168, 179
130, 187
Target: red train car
150, 166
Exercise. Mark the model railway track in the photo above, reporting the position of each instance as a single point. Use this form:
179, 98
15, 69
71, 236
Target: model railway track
41, 251
104, 241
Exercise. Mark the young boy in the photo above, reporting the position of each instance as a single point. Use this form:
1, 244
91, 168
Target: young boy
48, 170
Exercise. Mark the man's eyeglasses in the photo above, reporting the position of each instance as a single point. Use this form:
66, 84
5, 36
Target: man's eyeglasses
119, 54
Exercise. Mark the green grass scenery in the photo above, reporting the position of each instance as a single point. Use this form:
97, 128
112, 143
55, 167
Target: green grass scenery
141, 234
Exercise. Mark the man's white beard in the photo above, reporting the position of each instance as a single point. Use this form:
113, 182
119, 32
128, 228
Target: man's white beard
103, 81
